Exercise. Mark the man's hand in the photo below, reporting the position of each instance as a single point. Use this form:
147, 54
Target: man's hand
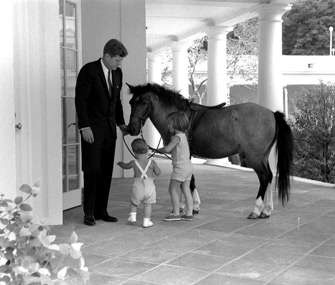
87, 135
123, 129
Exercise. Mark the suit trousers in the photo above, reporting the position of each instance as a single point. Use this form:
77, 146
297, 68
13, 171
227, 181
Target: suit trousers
97, 165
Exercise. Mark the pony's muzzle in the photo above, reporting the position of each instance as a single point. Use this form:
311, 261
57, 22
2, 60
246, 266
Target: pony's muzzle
132, 130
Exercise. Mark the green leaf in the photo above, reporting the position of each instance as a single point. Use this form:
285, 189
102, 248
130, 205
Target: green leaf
18, 200
4, 221
64, 249
37, 183
25, 207
24, 232
73, 238
25, 188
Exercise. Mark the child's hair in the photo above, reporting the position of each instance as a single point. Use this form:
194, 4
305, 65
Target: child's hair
139, 146
179, 120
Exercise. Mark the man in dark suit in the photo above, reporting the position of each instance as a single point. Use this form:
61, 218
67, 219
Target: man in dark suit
99, 111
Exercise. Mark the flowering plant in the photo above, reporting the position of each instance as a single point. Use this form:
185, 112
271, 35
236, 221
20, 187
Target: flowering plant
27, 252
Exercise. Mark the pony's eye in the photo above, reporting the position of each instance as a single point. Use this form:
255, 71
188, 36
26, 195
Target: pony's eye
144, 103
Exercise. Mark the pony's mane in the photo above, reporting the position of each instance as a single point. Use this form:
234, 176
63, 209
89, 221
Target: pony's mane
166, 95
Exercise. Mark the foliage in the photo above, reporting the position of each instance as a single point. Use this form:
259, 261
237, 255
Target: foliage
314, 132
197, 54
306, 27
242, 51
27, 252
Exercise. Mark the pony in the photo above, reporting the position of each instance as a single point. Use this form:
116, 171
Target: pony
222, 131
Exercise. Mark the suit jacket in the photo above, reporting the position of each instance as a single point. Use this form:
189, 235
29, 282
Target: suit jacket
95, 107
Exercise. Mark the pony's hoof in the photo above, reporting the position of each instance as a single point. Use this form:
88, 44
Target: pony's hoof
253, 216
195, 212
264, 216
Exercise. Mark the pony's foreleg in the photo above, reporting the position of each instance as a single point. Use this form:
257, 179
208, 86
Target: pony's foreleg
268, 206
259, 206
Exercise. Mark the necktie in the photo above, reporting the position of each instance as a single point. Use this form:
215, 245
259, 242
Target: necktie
109, 83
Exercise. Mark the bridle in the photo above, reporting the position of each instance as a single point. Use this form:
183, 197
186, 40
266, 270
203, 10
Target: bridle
142, 120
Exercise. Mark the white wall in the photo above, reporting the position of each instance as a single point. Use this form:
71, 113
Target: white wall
7, 112
125, 21
308, 69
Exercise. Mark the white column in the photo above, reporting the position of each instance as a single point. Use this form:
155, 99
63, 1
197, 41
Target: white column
154, 68
151, 135
270, 80
180, 68
217, 72
217, 65
270, 84
132, 28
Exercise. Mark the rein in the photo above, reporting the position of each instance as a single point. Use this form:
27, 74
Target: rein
192, 116
151, 148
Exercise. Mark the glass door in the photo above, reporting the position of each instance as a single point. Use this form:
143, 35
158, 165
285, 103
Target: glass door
68, 28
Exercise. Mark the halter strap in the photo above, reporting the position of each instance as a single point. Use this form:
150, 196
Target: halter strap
144, 172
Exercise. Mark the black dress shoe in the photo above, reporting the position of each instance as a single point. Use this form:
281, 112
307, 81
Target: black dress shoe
105, 217
89, 220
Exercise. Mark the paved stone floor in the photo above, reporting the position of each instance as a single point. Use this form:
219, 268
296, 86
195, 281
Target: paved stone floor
296, 245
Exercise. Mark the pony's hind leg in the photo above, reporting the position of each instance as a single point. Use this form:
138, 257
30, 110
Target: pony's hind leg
268, 205
264, 174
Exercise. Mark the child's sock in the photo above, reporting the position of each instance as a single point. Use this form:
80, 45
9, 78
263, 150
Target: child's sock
147, 223
132, 217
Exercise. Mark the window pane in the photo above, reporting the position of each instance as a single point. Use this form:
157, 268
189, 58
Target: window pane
71, 26
62, 74
71, 72
64, 160
61, 18
73, 152
71, 122
64, 120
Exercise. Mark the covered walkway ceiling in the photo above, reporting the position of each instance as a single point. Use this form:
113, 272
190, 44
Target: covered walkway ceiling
181, 20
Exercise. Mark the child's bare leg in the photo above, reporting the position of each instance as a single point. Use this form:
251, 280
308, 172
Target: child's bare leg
188, 197
173, 190
133, 208
181, 202
147, 210
147, 214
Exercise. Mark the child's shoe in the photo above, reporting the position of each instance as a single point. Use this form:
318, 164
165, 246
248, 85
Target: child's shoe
171, 218
132, 217
186, 218
147, 223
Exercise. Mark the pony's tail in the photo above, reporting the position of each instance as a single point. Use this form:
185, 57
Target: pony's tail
284, 157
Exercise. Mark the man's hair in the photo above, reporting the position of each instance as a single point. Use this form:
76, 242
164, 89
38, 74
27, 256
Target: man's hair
114, 47
179, 120
139, 146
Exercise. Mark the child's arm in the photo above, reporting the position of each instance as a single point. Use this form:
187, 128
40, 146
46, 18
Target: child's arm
156, 169
124, 165
170, 146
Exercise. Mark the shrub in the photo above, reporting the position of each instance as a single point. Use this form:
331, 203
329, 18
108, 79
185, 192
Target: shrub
314, 132
27, 252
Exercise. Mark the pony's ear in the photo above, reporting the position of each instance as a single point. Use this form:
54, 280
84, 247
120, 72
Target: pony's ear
131, 88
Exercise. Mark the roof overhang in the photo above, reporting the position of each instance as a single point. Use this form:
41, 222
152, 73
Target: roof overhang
170, 21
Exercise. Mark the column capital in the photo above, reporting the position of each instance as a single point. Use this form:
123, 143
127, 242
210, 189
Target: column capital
272, 12
218, 31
